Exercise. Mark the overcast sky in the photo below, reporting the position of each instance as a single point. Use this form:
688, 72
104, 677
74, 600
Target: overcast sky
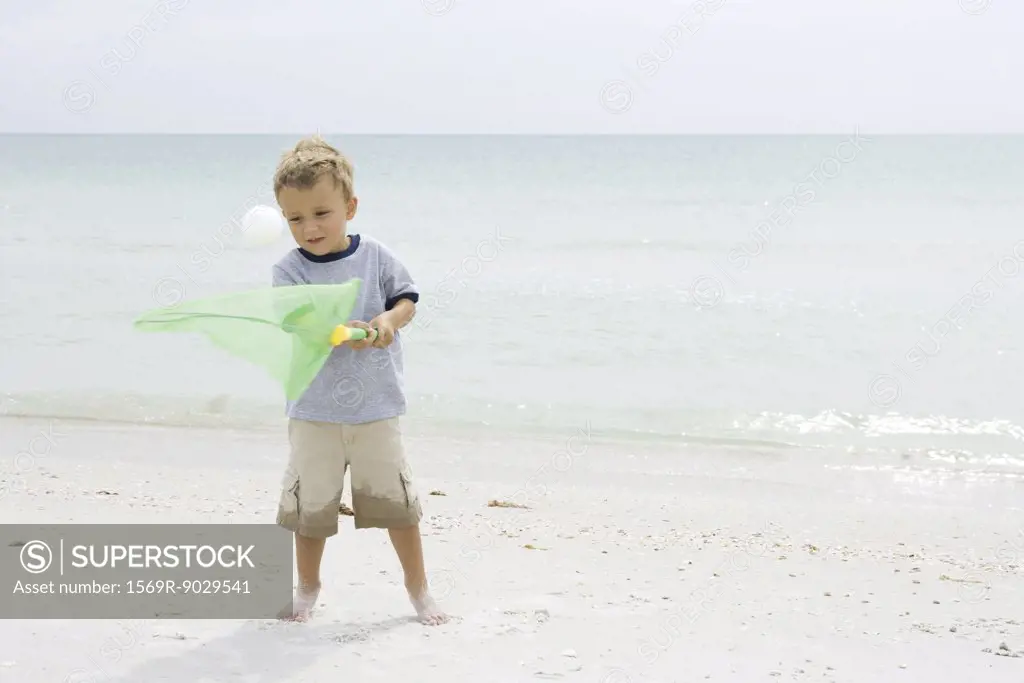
503, 66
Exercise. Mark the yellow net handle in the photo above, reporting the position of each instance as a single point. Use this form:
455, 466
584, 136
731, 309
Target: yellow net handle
342, 334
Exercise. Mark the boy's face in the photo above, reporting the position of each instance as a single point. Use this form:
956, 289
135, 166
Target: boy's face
318, 216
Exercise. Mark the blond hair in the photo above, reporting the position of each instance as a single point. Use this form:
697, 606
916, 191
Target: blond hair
311, 160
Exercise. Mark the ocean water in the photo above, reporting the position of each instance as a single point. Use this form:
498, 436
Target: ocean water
851, 295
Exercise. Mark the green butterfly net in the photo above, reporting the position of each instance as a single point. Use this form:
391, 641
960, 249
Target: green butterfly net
288, 331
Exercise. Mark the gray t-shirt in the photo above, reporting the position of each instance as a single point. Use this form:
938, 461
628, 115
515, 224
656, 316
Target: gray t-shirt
354, 386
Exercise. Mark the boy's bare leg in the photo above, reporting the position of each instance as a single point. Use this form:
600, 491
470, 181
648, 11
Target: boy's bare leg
409, 547
308, 554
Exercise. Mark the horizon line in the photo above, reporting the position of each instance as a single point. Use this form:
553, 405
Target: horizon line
492, 134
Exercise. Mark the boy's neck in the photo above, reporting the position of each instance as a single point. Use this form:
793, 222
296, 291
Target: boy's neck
351, 244
345, 244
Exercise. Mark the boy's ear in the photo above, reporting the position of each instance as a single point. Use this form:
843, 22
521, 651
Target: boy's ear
353, 204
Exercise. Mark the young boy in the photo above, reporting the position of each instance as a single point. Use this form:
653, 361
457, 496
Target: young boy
349, 415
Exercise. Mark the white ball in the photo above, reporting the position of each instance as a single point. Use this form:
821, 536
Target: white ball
261, 226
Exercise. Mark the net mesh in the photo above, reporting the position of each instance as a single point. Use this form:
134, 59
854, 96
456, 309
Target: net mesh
284, 330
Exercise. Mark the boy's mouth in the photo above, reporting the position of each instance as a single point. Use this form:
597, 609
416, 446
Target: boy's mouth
315, 240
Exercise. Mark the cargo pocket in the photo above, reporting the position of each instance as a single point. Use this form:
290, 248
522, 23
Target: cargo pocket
408, 490
288, 509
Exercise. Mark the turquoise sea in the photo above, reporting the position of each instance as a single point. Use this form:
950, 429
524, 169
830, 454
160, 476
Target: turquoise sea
852, 295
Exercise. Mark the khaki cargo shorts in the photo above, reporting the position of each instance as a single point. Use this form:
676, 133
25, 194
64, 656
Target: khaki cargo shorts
383, 495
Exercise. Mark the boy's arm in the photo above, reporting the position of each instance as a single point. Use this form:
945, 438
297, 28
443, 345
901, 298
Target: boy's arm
400, 292
400, 314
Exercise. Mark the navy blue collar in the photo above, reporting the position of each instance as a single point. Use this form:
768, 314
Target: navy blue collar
336, 256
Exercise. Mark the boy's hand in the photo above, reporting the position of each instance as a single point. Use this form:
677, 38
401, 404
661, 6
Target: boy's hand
385, 331
371, 336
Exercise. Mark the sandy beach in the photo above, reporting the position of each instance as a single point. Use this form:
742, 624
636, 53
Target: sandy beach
628, 563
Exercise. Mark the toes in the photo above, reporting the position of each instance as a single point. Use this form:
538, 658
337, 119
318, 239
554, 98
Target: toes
436, 619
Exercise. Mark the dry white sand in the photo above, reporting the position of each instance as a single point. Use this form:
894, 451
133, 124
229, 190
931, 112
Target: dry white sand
645, 564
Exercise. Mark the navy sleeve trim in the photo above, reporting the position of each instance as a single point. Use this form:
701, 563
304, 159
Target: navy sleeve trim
411, 296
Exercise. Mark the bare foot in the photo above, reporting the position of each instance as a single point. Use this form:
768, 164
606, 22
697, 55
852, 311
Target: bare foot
302, 604
428, 611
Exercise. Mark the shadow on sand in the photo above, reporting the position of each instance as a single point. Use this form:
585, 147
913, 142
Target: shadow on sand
256, 652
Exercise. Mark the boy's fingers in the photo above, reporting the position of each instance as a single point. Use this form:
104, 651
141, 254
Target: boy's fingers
369, 340
385, 339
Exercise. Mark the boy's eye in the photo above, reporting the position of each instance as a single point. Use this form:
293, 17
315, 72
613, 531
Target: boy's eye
293, 220
322, 213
